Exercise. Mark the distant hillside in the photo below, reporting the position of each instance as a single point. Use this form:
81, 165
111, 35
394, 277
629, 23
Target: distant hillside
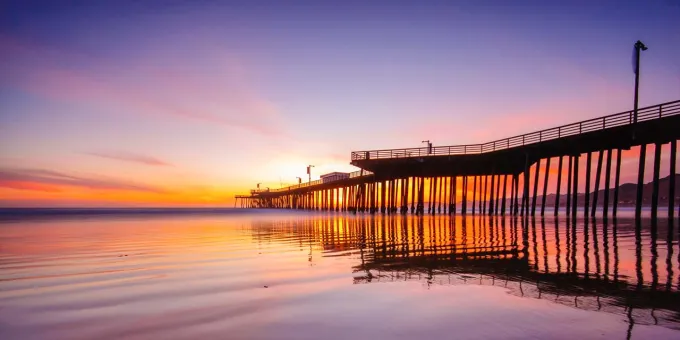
627, 193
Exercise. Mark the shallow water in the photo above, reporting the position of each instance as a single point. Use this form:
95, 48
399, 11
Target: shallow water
270, 275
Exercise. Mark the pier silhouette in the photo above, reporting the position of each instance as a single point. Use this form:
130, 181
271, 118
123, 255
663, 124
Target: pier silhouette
503, 176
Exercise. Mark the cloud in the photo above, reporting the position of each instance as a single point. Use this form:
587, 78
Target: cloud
216, 90
129, 157
52, 181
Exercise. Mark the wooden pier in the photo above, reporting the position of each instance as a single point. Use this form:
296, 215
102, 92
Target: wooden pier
398, 180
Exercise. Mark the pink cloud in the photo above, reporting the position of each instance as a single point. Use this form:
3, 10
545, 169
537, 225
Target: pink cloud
223, 96
50, 180
130, 157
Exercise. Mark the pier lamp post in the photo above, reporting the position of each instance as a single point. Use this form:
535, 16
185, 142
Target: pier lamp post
258, 186
299, 180
429, 146
309, 172
639, 46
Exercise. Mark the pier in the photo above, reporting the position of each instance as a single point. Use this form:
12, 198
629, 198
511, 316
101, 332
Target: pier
503, 177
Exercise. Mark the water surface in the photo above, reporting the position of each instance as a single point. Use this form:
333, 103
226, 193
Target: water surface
271, 275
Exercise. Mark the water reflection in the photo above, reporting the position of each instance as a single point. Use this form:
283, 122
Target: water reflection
598, 265
316, 276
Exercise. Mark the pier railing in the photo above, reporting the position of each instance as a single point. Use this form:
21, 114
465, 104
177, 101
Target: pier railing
595, 124
354, 174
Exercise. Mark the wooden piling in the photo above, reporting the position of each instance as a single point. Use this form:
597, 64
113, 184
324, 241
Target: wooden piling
655, 180
491, 192
383, 189
414, 194
463, 203
598, 173
498, 194
454, 193
617, 177
570, 173
574, 191
607, 179
586, 203
505, 186
640, 181
395, 188
671, 181
559, 185
525, 190
474, 194
534, 198
545, 185
421, 196
484, 196
435, 195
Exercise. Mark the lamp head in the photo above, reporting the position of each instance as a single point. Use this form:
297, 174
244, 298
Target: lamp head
640, 45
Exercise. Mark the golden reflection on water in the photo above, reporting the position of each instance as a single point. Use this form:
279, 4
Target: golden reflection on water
273, 276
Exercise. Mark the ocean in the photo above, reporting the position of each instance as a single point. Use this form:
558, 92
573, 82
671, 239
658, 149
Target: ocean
271, 274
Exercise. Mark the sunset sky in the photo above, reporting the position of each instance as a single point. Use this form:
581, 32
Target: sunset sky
121, 103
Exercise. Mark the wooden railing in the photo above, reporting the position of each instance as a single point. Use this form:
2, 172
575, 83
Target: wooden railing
354, 174
595, 124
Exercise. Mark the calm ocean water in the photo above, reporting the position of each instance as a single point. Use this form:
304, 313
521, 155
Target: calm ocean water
269, 275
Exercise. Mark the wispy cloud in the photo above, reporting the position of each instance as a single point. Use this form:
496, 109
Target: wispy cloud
224, 96
129, 157
53, 181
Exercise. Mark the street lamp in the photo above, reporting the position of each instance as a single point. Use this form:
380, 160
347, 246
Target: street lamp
637, 47
258, 185
309, 172
643, 149
429, 146
299, 180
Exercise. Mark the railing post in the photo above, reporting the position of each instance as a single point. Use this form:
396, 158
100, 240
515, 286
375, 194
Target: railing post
604, 124
660, 105
523, 139
580, 128
540, 136
559, 132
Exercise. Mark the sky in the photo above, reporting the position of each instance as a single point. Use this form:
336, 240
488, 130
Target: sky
187, 103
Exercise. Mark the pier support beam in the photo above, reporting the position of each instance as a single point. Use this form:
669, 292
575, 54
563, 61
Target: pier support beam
559, 185
491, 196
474, 194
598, 173
574, 192
414, 185
545, 186
505, 186
655, 180
537, 170
671, 181
570, 173
617, 177
640, 182
586, 204
607, 179
464, 194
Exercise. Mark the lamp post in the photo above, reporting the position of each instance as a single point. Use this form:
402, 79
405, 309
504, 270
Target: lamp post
309, 172
299, 180
429, 146
638, 47
258, 186
643, 148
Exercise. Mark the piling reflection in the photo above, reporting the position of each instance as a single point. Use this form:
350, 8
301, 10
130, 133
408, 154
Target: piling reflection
612, 266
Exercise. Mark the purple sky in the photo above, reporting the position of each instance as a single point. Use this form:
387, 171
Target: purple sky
197, 100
